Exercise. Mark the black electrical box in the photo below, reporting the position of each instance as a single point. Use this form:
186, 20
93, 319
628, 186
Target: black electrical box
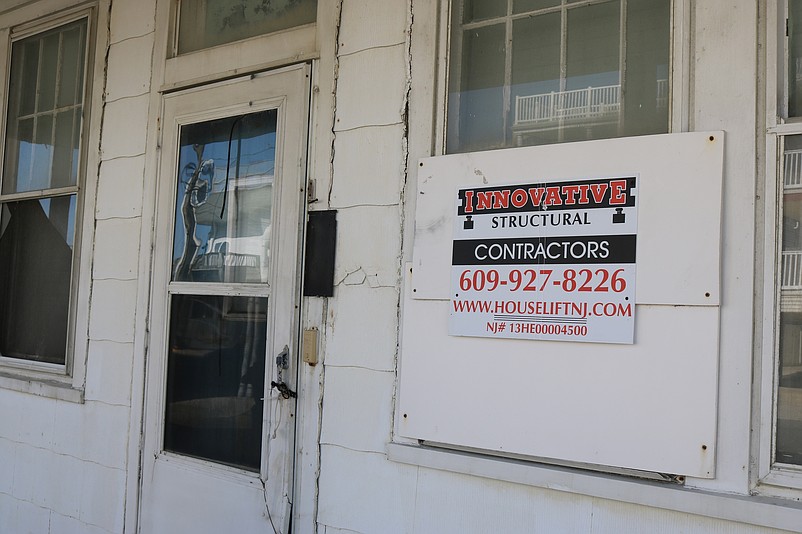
321, 243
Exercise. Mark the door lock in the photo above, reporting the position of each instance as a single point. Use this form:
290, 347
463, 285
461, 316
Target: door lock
282, 363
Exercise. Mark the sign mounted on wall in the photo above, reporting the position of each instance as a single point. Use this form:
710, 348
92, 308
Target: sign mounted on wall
548, 261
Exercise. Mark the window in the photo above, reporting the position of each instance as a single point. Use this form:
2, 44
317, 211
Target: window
782, 459
530, 72
40, 191
207, 23
788, 439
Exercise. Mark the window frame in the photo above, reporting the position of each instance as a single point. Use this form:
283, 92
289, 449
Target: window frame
229, 60
771, 478
62, 381
679, 75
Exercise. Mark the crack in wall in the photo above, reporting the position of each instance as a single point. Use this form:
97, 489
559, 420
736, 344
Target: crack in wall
402, 202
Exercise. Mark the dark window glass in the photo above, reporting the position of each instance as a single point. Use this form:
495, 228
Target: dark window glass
788, 439
215, 378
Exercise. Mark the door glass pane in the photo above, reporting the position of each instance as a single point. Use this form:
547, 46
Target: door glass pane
788, 441
215, 378
207, 23
224, 199
36, 244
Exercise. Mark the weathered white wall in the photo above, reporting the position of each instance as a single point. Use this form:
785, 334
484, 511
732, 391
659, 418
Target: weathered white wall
369, 167
360, 490
63, 465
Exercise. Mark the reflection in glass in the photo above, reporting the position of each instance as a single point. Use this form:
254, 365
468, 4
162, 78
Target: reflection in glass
207, 23
537, 77
788, 442
45, 110
36, 244
215, 378
224, 199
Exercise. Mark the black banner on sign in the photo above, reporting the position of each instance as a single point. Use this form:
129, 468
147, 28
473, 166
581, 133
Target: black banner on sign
579, 194
603, 249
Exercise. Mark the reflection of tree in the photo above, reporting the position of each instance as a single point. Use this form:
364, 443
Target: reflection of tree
195, 195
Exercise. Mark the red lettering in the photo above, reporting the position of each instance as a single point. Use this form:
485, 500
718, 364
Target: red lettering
501, 199
536, 194
618, 193
570, 192
468, 205
598, 191
519, 198
583, 194
484, 200
553, 197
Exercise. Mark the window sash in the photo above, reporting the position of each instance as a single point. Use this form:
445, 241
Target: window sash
60, 92
597, 104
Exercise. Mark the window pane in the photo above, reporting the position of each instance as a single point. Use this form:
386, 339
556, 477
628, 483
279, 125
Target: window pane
36, 243
536, 69
65, 155
646, 96
224, 199
788, 442
71, 69
215, 378
567, 76
483, 9
476, 103
794, 58
206, 23
522, 6
44, 110
591, 101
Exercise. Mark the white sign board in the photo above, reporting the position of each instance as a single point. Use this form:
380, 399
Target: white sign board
551, 261
650, 405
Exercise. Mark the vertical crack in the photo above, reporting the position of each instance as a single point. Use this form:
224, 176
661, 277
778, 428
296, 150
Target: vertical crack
334, 96
402, 199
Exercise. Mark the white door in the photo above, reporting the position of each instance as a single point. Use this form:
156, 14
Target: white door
220, 406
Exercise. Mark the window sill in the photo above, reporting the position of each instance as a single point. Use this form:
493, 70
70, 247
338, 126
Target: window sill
754, 510
50, 387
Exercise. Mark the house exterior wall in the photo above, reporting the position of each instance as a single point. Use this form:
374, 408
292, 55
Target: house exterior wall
72, 464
